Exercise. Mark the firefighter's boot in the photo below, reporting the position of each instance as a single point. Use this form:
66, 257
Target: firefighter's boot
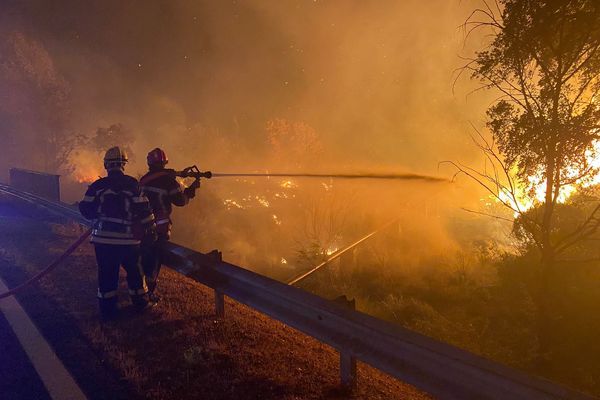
140, 302
108, 309
153, 298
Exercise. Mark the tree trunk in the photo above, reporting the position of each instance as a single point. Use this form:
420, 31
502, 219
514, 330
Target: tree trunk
545, 310
546, 270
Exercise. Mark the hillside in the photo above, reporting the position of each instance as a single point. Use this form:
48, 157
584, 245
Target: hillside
176, 349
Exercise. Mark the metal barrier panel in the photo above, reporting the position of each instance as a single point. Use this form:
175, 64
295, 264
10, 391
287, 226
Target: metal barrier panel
38, 183
437, 368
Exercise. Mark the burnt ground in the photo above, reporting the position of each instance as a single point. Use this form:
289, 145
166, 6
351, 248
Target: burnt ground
176, 350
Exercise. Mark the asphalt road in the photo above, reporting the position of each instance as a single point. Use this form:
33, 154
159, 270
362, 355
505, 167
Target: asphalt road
18, 378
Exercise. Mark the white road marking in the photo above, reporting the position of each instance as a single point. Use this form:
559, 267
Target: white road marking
59, 383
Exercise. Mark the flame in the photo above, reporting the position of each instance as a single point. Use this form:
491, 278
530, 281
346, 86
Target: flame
276, 220
288, 184
86, 178
522, 201
262, 200
326, 186
330, 250
230, 203
86, 167
85, 174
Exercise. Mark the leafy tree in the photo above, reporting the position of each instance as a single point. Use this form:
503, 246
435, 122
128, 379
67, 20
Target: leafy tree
34, 106
544, 61
114, 135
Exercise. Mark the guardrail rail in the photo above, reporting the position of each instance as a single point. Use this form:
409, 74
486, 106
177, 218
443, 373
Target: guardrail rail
437, 368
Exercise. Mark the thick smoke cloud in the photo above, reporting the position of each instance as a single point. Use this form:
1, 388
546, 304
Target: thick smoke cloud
253, 86
372, 78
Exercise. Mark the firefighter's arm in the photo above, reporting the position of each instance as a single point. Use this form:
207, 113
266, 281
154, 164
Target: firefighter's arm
142, 212
89, 205
143, 215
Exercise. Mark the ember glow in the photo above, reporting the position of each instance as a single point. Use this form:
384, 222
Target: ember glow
85, 178
229, 203
330, 250
288, 184
87, 167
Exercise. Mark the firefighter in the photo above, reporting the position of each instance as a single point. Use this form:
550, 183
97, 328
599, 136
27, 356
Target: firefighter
163, 191
122, 217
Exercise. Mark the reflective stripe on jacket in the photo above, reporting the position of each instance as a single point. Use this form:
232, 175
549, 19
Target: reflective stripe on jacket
117, 206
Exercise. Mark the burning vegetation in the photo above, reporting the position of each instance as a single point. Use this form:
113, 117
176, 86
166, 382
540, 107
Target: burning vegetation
349, 88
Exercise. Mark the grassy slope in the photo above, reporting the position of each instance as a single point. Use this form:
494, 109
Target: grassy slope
178, 350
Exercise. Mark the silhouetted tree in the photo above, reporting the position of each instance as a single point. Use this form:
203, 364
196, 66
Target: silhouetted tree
544, 60
34, 106
114, 135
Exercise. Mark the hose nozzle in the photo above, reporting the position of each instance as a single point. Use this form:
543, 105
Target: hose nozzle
194, 172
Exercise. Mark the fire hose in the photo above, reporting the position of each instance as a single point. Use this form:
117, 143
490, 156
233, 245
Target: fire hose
194, 172
50, 266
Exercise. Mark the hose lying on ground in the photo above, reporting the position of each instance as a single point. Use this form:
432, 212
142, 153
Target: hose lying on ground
50, 267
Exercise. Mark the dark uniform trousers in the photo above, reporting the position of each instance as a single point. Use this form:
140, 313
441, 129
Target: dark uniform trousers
110, 258
152, 259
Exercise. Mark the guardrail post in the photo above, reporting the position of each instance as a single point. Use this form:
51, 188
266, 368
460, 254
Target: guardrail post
347, 362
219, 304
217, 257
347, 370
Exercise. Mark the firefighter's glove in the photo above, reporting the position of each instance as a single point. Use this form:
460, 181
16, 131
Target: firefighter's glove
150, 235
190, 191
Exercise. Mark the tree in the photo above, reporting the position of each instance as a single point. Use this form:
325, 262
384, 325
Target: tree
114, 135
34, 105
544, 61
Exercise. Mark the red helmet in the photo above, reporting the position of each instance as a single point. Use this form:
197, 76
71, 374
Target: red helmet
157, 156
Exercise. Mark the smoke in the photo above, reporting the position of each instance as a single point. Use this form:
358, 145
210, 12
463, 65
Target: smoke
299, 86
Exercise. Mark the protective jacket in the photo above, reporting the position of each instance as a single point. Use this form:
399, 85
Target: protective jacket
121, 212
163, 191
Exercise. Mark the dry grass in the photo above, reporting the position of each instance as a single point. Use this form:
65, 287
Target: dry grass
177, 350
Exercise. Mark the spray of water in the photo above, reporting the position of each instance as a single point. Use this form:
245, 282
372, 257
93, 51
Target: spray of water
410, 177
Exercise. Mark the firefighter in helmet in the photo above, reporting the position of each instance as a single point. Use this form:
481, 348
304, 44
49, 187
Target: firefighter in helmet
122, 217
163, 191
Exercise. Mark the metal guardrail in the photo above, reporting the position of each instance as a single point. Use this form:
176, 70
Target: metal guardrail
56, 208
40, 183
434, 367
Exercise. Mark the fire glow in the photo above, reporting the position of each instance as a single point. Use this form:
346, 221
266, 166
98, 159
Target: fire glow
526, 197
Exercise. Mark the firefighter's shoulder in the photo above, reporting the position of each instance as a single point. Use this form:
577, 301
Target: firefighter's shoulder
130, 180
130, 184
145, 176
167, 179
170, 174
98, 183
